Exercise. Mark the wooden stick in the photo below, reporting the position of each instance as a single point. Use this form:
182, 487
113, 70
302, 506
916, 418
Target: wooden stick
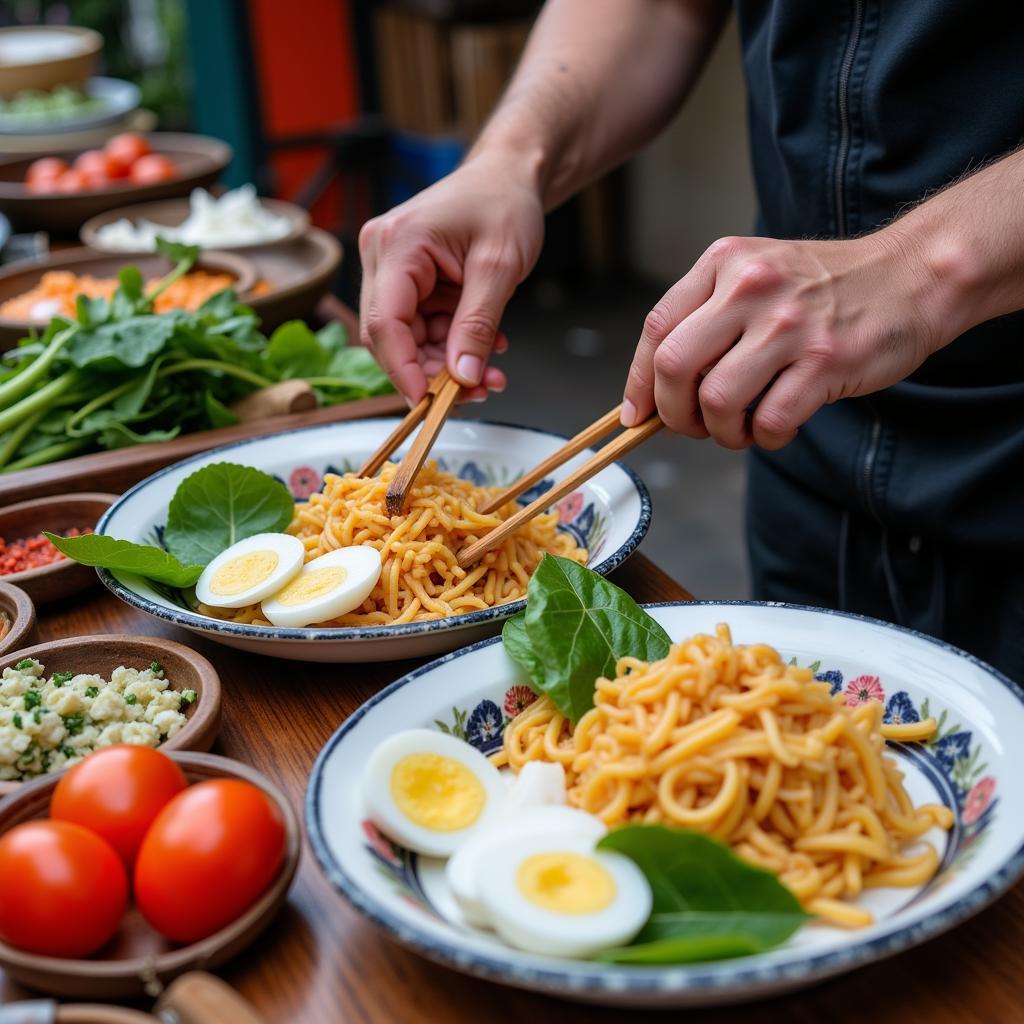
406, 473
625, 442
584, 439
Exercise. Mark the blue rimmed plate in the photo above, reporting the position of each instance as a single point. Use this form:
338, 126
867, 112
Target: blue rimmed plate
972, 765
609, 516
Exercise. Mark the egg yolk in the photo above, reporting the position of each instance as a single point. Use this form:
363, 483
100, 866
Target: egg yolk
311, 584
242, 572
565, 883
437, 792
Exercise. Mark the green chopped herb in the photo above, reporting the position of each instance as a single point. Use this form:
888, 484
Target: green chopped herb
74, 723
17, 721
156, 668
37, 716
67, 751
24, 664
33, 698
92, 691
131, 699
60, 678
188, 696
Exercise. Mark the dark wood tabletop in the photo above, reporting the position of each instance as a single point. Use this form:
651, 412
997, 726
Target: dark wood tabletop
321, 963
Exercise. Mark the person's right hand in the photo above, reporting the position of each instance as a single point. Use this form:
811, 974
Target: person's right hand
438, 271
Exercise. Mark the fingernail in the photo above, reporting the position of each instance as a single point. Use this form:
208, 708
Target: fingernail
480, 398
628, 413
469, 369
496, 388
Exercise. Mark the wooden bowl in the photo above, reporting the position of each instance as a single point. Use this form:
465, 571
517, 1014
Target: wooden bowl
58, 514
199, 160
20, 277
101, 654
18, 607
72, 66
137, 955
173, 211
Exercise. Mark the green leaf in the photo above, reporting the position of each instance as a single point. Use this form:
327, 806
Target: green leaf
220, 306
579, 625
518, 647
128, 299
118, 434
295, 352
333, 337
708, 903
124, 556
356, 368
91, 312
219, 414
221, 504
177, 252
124, 344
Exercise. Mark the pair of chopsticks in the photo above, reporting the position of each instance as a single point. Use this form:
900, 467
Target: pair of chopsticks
433, 410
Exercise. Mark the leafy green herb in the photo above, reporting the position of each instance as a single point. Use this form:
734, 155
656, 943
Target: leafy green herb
60, 678
156, 668
68, 751
575, 628
32, 699
24, 664
73, 723
131, 699
123, 556
17, 720
188, 696
221, 504
92, 691
37, 716
708, 903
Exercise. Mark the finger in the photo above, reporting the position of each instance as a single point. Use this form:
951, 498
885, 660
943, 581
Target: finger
500, 344
798, 393
487, 287
494, 379
438, 327
685, 296
368, 262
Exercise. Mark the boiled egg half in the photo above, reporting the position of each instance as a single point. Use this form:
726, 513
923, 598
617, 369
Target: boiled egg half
430, 792
557, 895
325, 587
251, 570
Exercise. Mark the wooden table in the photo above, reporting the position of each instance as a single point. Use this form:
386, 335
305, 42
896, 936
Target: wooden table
321, 963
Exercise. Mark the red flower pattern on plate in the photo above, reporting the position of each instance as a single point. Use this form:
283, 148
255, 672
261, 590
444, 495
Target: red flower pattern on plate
862, 689
304, 481
570, 507
978, 799
380, 844
517, 699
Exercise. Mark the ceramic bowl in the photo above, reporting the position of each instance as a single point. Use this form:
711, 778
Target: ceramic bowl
21, 612
45, 56
101, 654
609, 516
137, 957
58, 514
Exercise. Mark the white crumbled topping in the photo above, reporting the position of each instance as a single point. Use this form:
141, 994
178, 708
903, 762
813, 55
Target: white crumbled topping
50, 722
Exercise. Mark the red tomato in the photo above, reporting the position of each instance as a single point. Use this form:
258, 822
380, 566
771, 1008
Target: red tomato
125, 149
71, 181
63, 890
148, 170
210, 854
99, 167
48, 169
117, 792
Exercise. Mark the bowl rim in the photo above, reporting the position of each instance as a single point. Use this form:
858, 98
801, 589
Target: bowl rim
92, 42
24, 616
207, 624
714, 977
169, 961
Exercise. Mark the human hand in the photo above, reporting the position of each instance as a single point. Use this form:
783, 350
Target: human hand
788, 325
439, 270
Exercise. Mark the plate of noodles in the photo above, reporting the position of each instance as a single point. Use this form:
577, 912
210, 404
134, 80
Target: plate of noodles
865, 766
423, 603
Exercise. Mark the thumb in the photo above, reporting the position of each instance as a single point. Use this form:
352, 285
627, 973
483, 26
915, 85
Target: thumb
487, 286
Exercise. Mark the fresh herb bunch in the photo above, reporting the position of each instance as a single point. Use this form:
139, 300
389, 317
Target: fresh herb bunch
120, 374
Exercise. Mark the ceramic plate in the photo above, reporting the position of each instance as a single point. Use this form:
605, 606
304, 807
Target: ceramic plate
117, 98
609, 516
972, 766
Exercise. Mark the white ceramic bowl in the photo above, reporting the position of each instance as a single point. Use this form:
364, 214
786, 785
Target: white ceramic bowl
609, 516
973, 765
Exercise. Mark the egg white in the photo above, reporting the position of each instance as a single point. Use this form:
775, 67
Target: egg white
462, 872
362, 567
385, 813
290, 556
538, 784
523, 924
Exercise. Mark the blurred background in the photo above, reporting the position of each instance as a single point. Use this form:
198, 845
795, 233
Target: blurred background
347, 107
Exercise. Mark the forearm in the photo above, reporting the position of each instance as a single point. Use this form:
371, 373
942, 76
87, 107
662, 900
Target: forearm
597, 80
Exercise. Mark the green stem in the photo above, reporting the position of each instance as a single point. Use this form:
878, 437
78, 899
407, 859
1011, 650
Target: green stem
38, 400
181, 268
18, 435
97, 403
53, 453
13, 388
214, 364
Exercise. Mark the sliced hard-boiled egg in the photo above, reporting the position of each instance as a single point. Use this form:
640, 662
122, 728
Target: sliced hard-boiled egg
462, 872
430, 792
559, 896
538, 784
326, 587
251, 570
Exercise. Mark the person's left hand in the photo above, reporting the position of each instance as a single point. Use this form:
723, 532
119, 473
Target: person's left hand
761, 333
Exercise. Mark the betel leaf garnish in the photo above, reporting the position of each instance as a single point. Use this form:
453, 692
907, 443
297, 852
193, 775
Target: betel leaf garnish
708, 903
124, 556
575, 628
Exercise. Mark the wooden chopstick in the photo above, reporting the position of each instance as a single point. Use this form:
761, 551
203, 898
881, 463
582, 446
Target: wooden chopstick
372, 465
625, 442
584, 439
437, 413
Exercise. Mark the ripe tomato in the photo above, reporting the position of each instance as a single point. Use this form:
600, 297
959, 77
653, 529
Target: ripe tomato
48, 169
210, 854
63, 890
126, 148
98, 168
71, 181
148, 170
117, 792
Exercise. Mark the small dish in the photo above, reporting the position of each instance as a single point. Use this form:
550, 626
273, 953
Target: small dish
172, 212
45, 56
116, 97
101, 654
137, 956
18, 607
58, 514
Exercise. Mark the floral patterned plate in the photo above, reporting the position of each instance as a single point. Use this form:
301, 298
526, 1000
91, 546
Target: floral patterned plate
609, 516
970, 765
